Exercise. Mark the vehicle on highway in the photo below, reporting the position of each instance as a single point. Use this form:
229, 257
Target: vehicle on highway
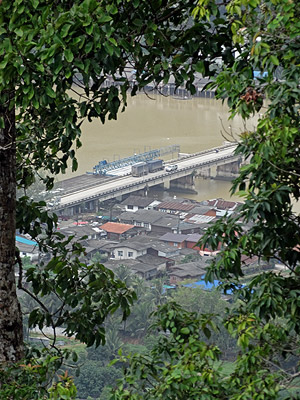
155, 165
143, 168
170, 168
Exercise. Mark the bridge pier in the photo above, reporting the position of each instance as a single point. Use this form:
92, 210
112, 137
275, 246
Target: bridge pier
205, 173
84, 198
184, 184
229, 170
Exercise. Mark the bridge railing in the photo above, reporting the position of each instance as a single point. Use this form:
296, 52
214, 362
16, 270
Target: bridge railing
140, 182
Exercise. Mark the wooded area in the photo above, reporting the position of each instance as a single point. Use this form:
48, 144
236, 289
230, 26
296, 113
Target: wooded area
250, 50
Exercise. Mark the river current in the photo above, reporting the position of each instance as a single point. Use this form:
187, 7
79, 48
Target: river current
155, 121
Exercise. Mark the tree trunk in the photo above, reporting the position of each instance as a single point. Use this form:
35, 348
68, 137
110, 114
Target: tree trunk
11, 330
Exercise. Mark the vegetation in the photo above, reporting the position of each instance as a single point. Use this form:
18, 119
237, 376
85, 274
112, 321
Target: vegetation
98, 372
265, 319
55, 57
53, 48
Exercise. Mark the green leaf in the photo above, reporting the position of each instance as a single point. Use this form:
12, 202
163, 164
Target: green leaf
69, 55
104, 18
274, 60
185, 331
65, 30
50, 92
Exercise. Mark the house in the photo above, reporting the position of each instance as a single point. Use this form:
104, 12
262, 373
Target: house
188, 241
222, 206
158, 222
186, 228
193, 270
118, 231
135, 203
192, 240
202, 221
141, 246
79, 230
166, 224
162, 249
161, 263
27, 248
174, 207
101, 246
143, 270
142, 218
200, 209
128, 250
174, 239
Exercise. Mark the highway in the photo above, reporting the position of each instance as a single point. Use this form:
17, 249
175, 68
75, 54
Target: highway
205, 158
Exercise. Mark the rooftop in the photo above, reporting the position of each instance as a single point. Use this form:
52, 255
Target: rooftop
148, 216
173, 237
222, 204
116, 227
138, 201
175, 206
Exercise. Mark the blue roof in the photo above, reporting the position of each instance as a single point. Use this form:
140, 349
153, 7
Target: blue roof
25, 241
208, 285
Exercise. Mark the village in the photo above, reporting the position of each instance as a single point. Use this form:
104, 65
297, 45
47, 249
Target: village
150, 237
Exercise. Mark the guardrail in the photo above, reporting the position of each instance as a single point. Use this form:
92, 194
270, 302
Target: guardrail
141, 183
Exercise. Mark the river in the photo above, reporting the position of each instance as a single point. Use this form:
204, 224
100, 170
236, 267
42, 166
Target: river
153, 122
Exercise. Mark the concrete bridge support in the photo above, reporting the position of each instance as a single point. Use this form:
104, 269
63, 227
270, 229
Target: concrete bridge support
229, 170
205, 173
185, 184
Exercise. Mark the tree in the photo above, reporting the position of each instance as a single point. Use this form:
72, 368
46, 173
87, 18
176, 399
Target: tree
266, 68
265, 319
54, 58
94, 377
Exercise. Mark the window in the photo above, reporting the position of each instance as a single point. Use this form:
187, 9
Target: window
146, 225
130, 254
130, 207
120, 253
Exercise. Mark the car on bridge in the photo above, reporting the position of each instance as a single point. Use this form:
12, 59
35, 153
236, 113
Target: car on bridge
170, 168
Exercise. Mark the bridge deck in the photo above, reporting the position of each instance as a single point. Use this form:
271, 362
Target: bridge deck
96, 187
82, 182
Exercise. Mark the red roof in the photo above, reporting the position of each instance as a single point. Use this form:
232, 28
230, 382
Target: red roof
222, 204
115, 227
211, 213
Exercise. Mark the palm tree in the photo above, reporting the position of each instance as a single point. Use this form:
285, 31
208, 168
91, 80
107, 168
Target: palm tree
140, 320
158, 292
124, 273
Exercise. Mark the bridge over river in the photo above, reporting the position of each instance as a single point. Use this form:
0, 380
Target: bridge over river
189, 165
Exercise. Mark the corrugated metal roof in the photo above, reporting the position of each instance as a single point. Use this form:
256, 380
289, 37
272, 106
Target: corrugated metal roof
193, 237
25, 241
222, 204
175, 206
173, 237
137, 201
200, 219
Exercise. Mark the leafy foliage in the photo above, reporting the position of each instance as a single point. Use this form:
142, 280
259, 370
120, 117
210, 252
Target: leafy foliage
29, 381
264, 320
54, 60
183, 366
